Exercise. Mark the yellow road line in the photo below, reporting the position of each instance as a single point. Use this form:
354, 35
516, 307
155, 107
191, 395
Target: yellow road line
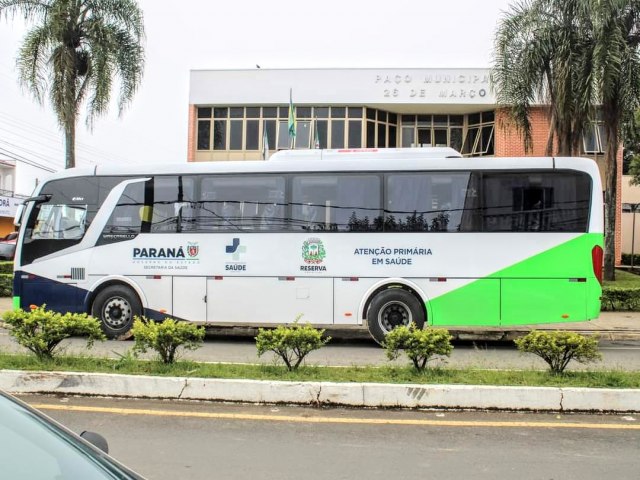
362, 421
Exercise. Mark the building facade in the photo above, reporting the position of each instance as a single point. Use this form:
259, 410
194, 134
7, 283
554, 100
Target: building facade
17, 182
243, 114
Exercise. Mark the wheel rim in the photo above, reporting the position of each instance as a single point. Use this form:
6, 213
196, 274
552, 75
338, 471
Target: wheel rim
117, 313
394, 314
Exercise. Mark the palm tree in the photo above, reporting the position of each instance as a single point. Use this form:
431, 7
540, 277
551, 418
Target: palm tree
542, 55
617, 66
578, 56
75, 52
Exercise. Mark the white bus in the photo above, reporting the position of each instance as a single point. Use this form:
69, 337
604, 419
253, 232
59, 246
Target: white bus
372, 237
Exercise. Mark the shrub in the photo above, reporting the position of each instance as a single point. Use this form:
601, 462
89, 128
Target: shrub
620, 298
626, 259
420, 345
41, 330
6, 268
6, 285
559, 348
166, 337
290, 343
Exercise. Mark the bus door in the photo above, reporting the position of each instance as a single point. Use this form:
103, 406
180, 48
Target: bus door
190, 298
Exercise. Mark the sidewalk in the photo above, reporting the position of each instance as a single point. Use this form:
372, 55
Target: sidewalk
611, 326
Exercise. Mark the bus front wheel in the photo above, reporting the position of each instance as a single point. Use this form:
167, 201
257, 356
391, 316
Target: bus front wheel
393, 308
116, 307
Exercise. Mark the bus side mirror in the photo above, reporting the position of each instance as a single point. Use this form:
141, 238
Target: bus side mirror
17, 220
37, 199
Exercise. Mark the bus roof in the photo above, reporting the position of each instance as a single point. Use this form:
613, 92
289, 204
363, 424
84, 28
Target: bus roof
378, 153
344, 160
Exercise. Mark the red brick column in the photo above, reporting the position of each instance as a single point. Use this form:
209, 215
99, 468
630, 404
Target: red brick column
191, 135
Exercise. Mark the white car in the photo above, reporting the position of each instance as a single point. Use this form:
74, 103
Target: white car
36, 447
8, 246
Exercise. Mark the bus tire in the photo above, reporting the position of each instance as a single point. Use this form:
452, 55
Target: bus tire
116, 307
392, 308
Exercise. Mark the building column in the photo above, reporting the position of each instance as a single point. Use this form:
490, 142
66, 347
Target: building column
191, 135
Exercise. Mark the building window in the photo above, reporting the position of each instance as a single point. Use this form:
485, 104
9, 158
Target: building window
479, 140
594, 140
449, 131
381, 129
243, 128
203, 140
303, 134
204, 134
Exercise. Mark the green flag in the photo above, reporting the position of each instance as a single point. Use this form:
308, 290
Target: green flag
292, 118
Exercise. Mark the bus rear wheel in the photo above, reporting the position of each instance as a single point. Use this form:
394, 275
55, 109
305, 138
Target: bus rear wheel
393, 308
116, 307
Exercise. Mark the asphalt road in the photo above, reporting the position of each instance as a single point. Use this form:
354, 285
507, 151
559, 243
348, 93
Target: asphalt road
502, 355
188, 440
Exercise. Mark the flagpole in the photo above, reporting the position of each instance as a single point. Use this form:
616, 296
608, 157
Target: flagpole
316, 136
265, 142
292, 120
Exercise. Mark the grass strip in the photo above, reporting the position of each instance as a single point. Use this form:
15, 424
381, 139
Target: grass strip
624, 280
368, 374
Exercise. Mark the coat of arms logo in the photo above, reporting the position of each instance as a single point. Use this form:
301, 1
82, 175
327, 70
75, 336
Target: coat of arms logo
192, 249
313, 251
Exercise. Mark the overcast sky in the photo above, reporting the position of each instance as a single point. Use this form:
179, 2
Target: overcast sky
208, 34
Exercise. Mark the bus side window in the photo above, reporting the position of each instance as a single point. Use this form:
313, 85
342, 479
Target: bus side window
187, 216
231, 215
272, 212
126, 219
208, 214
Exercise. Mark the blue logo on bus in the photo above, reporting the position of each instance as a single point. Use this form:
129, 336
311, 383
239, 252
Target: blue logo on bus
236, 249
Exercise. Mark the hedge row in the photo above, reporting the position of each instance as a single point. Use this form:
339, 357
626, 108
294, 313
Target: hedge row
626, 259
6, 285
6, 268
618, 298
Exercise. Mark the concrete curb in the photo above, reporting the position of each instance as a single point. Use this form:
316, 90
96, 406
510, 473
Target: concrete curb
468, 397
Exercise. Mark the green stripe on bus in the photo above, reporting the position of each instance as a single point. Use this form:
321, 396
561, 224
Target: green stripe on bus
536, 290
16, 303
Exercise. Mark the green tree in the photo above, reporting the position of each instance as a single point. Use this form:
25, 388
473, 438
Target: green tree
75, 52
631, 141
543, 51
617, 76
578, 56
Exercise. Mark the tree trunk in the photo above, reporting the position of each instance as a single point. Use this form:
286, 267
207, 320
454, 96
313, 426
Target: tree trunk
550, 137
70, 144
564, 139
610, 199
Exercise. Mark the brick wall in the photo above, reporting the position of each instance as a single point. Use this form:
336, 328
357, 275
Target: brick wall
509, 142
